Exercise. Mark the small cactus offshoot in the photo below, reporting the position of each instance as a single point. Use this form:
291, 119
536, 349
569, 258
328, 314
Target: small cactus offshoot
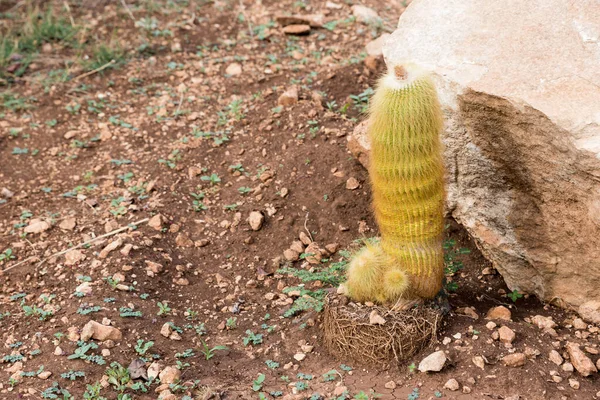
407, 178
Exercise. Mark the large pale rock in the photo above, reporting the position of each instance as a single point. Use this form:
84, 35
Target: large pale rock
520, 87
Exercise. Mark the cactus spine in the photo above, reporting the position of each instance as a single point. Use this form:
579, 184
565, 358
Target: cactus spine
407, 179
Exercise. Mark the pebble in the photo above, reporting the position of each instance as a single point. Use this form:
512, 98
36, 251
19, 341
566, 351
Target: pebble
580, 361
574, 383
95, 330
452, 384
543, 322
506, 335
390, 385
578, 323
37, 226
299, 356
375, 318
433, 362
352, 183
555, 357
514, 360
289, 97
568, 367
169, 375
297, 29
156, 222
499, 312
256, 220
233, 69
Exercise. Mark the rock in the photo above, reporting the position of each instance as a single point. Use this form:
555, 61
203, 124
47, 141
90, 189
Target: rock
314, 20
153, 268
289, 97
509, 137
166, 395
73, 333
154, 369
391, 385
299, 29
452, 384
304, 239
313, 253
85, 288
7, 194
543, 322
499, 312
366, 15
574, 383
479, 361
95, 330
137, 369
580, 361
37, 226
169, 375
233, 69
567, 367
433, 362
156, 222
352, 183
68, 224
44, 375
491, 325
358, 143
256, 220
299, 356
468, 311
579, 324
514, 360
291, 255
507, 335
555, 357
297, 246
590, 311
375, 318
115, 244
183, 240
375, 47
73, 257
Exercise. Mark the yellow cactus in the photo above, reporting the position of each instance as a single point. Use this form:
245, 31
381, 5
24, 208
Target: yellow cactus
407, 179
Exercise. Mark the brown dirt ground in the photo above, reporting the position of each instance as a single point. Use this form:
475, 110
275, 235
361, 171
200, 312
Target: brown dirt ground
279, 153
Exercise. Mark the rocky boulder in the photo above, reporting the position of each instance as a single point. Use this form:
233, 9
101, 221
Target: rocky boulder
520, 86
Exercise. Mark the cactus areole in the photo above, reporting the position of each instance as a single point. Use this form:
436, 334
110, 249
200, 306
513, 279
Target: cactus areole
407, 178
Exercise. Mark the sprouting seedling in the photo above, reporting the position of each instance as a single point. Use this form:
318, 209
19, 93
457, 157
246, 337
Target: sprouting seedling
210, 352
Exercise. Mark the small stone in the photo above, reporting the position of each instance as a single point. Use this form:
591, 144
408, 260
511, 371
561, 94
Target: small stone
233, 69
95, 330
314, 20
299, 356
543, 322
466, 390
352, 183
166, 330
304, 239
289, 97
153, 268
555, 357
590, 311
339, 390
499, 312
291, 255
579, 324
514, 360
6, 193
115, 244
58, 351
580, 361
297, 29
44, 375
332, 247
491, 325
154, 369
68, 224
169, 375
390, 385
574, 383
73, 257
256, 220
375, 47
156, 222
479, 362
306, 348
37, 226
183, 240
313, 254
73, 333
433, 362
366, 15
375, 318
506, 334
568, 367
297, 246
452, 384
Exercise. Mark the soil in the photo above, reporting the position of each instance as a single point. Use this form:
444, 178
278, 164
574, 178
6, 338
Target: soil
146, 140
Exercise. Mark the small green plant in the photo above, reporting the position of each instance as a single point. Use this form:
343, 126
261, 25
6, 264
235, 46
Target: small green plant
210, 352
258, 382
197, 203
272, 364
142, 347
252, 338
6, 255
231, 323
212, 178
163, 308
72, 375
515, 295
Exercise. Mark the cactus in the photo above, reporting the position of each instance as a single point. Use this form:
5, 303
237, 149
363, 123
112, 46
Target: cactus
407, 178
